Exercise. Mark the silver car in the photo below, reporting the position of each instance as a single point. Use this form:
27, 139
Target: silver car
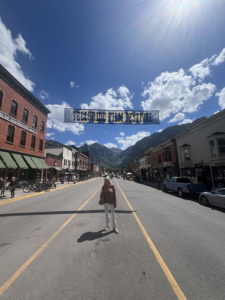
216, 198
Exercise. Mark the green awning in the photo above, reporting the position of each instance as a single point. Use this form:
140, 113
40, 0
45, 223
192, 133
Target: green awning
58, 168
30, 162
37, 162
8, 160
2, 166
43, 163
21, 163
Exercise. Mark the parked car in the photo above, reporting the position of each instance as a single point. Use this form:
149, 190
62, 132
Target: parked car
216, 198
183, 186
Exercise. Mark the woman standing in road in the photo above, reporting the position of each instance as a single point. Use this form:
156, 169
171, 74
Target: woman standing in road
12, 186
109, 193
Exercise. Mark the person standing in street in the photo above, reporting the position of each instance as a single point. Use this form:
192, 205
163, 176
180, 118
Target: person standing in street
12, 186
3, 186
110, 201
74, 179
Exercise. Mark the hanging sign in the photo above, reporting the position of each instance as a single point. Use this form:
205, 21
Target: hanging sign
98, 116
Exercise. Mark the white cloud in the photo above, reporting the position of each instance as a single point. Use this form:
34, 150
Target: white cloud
43, 95
122, 133
110, 145
221, 97
73, 85
70, 143
159, 130
56, 119
171, 93
200, 70
220, 59
90, 142
80, 144
50, 134
216, 112
185, 121
131, 140
119, 99
9, 48
177, 117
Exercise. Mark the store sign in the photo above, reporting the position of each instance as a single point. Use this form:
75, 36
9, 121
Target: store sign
17, 123
96, 116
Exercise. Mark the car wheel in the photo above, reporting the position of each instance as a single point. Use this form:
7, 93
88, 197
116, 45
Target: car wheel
165, 189
180, 193
204, 201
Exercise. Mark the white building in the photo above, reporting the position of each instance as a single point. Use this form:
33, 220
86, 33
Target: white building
201, 150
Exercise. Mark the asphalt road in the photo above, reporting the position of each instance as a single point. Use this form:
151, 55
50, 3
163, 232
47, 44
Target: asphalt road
52, 246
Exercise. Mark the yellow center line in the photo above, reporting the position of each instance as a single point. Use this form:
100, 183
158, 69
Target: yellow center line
43, 192
164, 267
7, 284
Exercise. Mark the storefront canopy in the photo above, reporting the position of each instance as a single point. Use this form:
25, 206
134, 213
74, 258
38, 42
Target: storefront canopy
21, 163
37, 162
43, 163
2, 166
58, 168
8, 160
30, 162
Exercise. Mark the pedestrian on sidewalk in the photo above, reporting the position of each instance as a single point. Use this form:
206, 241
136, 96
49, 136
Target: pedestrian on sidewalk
3, 186
110, 201
12, 186
74, 179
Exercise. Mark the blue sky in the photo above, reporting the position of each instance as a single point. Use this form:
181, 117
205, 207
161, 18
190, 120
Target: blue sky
167, 55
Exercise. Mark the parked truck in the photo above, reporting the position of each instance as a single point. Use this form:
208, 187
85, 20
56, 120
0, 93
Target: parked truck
183, 186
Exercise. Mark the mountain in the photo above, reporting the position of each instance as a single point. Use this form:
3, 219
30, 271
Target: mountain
152, 141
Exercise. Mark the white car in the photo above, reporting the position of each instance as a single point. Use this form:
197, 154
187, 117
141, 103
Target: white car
216, 198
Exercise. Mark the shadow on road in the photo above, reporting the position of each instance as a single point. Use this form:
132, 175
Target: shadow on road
69, 212
91, 236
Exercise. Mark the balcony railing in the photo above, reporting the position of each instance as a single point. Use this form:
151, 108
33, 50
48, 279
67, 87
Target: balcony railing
186, 162
219, 157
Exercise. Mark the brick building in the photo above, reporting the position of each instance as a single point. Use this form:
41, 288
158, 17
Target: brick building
23, 121
54, 163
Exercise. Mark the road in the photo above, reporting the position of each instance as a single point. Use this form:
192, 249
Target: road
53, 246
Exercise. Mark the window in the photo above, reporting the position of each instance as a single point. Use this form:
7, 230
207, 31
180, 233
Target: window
23, 138
212, 147
35, 122
1, 96
159, 159
33, 140
69, 163
41, 145
185, 155
42, 126
65, 162
167, 156
154, 160
10, 134
25, 115
221, 146
13, 110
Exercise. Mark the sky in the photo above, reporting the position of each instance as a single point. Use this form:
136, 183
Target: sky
166, 55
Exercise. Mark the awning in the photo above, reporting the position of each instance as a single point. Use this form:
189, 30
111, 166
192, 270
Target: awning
37, 162
30, 162
20, 161
58, 168
43, 163
2, 166
8, 160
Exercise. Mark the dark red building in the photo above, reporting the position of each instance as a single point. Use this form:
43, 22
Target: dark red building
23, 120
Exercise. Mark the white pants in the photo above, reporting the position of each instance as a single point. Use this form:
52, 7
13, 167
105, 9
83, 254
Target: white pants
111, 207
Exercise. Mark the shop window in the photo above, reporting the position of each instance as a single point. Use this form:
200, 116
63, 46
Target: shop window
65, 162
23, 138
1, 96
41, 145
33, 141
13, 110
35, 122
10, 134
221, 146
42, 126
159, 159
212, 148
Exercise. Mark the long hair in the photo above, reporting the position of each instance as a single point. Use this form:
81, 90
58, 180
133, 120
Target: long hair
108, 179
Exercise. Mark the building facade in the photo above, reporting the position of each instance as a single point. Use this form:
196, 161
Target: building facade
23, 120
201, 150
